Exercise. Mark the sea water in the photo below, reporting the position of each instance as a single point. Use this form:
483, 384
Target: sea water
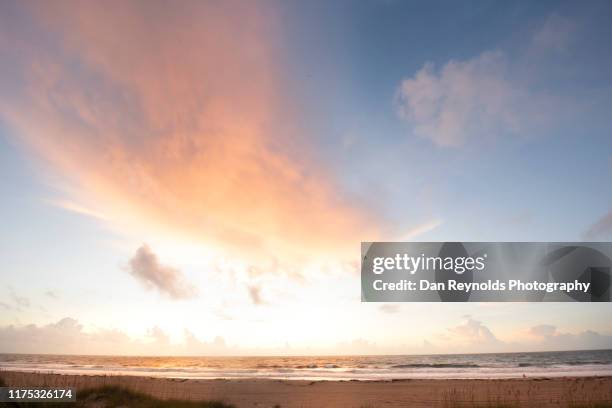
494, 365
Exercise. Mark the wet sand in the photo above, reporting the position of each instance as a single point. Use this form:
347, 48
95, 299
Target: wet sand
261, 393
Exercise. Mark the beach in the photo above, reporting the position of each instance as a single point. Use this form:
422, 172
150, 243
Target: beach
261, 393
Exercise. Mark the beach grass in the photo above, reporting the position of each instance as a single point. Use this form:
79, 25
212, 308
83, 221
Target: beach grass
113, 396
593, 405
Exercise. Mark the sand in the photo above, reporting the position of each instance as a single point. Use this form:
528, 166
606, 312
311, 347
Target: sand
261, 393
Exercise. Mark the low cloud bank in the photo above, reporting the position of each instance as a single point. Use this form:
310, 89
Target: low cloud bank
68, 336
474, 336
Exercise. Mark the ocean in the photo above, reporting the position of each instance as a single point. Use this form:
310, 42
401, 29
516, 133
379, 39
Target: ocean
494, 365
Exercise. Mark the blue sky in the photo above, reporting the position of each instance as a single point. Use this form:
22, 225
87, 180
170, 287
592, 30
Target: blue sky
361, 52
220, 164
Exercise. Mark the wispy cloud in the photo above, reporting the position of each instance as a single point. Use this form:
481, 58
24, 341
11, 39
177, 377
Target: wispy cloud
193, 137
389, 308
555, 34
76, 208
420, 230
168, 281
255, 294
52, 294
601, 228
20, 301
15, 301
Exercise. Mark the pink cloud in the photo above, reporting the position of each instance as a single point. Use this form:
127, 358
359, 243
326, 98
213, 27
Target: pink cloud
175, 120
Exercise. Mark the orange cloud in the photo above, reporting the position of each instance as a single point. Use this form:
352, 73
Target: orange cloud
173, 118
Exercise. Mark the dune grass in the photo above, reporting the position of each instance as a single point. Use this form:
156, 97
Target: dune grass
593, 405
113, 396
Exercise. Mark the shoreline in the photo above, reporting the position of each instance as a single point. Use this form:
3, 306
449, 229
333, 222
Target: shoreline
262, 392
318, 377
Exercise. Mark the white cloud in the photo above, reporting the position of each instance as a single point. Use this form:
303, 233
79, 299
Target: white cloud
67, 336
466, 100
196, 346
473, 336
491, 95
158, 335
549, 337
473, 332
168, 281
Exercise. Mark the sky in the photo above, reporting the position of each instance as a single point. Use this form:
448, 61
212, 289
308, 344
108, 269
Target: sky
197, 179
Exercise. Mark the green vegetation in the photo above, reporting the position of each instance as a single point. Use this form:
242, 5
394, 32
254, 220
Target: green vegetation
112, 396
481, 405
506, 405
470, 405
593, 405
